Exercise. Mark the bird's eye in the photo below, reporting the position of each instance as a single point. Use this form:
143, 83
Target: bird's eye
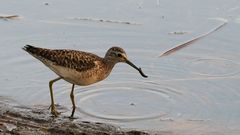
119, 55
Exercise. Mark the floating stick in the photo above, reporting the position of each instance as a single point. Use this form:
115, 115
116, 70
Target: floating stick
186, 44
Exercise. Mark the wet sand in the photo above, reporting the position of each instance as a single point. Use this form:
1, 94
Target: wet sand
25, 120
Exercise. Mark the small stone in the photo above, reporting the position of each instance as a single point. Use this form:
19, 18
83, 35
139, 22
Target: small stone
132, 104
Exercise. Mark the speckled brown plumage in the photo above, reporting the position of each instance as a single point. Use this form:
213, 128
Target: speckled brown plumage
78, 60
77, 67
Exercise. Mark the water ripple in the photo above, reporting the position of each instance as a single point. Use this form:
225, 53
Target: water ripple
126, 101
217, 67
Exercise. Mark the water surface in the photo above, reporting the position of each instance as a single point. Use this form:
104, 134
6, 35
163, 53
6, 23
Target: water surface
194, 91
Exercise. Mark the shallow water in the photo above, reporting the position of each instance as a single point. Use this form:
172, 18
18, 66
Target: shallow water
193, 91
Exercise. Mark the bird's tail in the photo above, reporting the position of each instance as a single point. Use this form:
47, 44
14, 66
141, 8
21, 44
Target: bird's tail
30, 49
39, 53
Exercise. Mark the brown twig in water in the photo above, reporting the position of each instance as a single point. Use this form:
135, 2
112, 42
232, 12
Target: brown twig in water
186, 44
9, 17
106, 21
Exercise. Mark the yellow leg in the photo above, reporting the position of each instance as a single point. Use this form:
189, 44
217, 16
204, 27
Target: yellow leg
73, 102
53, 108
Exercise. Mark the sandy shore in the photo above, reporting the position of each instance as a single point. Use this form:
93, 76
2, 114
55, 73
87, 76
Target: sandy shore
25, 120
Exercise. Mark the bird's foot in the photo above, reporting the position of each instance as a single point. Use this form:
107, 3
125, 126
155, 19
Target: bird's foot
72, 117
50, 106
55, 113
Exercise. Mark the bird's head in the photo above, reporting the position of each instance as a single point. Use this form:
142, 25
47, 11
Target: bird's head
117, 54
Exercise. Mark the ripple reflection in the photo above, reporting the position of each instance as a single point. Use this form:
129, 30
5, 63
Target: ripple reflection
214, 67
126, 101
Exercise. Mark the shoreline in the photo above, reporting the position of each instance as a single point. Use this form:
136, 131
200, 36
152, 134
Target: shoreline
17, 119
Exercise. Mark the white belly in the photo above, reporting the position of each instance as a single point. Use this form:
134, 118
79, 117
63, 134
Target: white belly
75, 77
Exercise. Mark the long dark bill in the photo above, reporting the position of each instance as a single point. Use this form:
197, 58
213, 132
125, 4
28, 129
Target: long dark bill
138, 69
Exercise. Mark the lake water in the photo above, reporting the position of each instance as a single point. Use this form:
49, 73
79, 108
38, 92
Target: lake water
194, 91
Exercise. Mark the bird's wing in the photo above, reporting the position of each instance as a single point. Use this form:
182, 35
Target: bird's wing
78, 60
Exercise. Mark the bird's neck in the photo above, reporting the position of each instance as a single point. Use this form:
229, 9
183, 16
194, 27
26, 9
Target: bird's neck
109, 64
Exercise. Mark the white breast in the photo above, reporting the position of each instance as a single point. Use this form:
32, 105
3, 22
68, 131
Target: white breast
73, 76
